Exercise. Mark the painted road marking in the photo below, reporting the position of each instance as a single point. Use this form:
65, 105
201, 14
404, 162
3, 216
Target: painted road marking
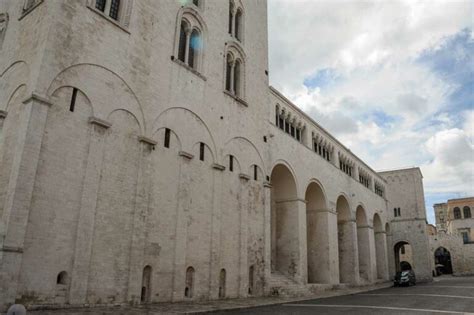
449, 286
379, 308
422, 294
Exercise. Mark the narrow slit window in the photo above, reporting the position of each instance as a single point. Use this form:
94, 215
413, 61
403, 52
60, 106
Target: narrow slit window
73, 100
231, 163
167, 137
182, 43
201, 151
255, 172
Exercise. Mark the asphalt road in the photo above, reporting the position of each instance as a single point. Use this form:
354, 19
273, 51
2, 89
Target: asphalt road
446, 295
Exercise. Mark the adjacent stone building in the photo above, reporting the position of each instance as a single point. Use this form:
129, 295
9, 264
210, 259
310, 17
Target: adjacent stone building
144, 158
452, 242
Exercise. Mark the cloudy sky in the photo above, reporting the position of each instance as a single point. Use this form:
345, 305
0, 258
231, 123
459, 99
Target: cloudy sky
393, 80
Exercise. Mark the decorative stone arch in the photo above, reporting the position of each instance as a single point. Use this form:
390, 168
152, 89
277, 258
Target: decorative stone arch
4, 18
11, 79
180, 120
79, 91
442, 256
196, 151
235, 146
159, 134
236, 164
190, 16
100, 92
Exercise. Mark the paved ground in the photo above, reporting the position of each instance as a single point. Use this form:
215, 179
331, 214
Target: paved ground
450, 295
447, 295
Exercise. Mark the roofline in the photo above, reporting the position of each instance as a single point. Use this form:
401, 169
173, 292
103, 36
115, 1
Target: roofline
402, 169
463, 198
284, 98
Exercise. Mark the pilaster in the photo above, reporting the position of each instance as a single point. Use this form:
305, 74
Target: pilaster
142, 198
87, 209
19, 192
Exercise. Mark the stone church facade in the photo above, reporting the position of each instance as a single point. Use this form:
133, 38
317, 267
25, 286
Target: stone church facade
144, 158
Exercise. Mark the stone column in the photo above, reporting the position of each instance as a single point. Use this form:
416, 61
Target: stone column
19, 192
268, 231
87, 209
348, 253
381, 251
243, 246
366, 248
325, 254
184, 189
390, 257
142, 198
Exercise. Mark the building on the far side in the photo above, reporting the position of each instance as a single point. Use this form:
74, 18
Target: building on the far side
452, 240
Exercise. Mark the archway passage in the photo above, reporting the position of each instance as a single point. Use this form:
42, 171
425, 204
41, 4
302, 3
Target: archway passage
403, 256
284, 222
380, 248
345, 241
443, 262
363, 243
316, 231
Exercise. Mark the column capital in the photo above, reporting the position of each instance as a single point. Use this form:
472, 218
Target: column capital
218, 167
99, 122
147, 141
34, 97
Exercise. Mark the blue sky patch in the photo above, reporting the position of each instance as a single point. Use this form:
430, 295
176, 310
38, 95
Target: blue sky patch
322, 78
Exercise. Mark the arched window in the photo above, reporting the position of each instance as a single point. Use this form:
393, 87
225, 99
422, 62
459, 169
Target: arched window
234, 83
467, 212
190, 40
196, 3
189, 288
62, 278
29, 4
251, 279
238, 25
457, 213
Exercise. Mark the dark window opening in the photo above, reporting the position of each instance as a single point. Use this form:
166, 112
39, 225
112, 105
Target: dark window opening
292, 130
402, 250
287, 127
395, 212
196, 2
73, 100
231, 16
201, 151
100, 5
228, 74
255, 172
114, 9
231, 163
281, 124
61, 278
222, 283
194, 41
467, 212
251, 279
167, 137
188, 291
457, 213
182, 43
298, 134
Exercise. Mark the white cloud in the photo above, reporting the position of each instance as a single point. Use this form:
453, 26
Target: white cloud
373, 48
